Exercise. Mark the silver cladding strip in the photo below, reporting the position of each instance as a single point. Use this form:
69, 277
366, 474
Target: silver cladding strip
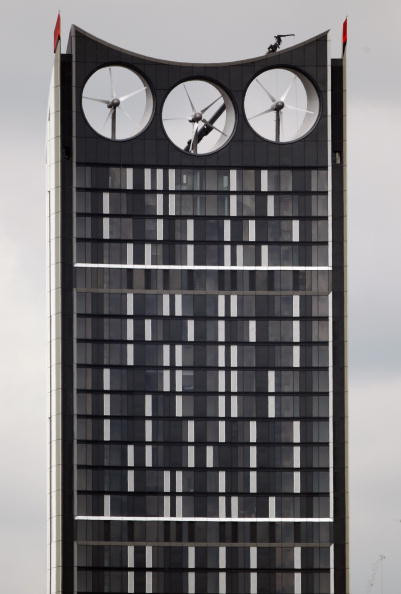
192, 519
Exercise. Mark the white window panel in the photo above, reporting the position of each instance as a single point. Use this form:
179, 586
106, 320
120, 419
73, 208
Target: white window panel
264, 255
252, 330
263, 180
166, 355
171, 204
148, 456
296, 356
130, 480
295, 230
178, 405
221, 330
130, 178
253, 557
222, 431
191, 557
297, 583
221, 350
148, 329
130, 253
295, 331
166, 380
191, 582
234, 380
106, 405
159, 229
130, 304
166, 305
178, 355
234, 306
130, 354
222, 481
190, 230
221, 306
106, 203
106, 379
234, 406
233, 180
131, 580
171, 179
178, 481
190, 330
295, 306
130, 455
106, 228
166, 506
130, 329
297, 482
297, 557
240, 255
253, 583
222, 557
178, 305
148, 430
227, 230
190, 254
209, 456
270, 206
233, 205
106, 505
252, 457
296, 429
234, 506
159, 179
252, 431
191, 456
131, 557
178, 506
272, 507
191, 431
222, 406
149, 582
159, 204
227, 255
252, 233
147, 179
252, 482
233, 355
166, 481
271, 381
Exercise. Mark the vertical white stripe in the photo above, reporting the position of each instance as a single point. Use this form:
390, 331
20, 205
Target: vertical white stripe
234, 406
166, 506
271, 406
159, 229
234, 381
178, 305
271, 381
295, 306
227, 230
178, 355
233, 205
178, 506
272, 507
222, 406
252, 231
191, 582
159, 179
131, 580
263, 180
106, 228
221, 306
252, 431
222, 507
191, 456
130, 253
252, 330
233, 180
253, 583
148, 455
171, 204
264, 255
190, 254
190, 230
106, 505
130, 178
222, 380
234, 305
295, 230
148, 329
148, 405
270, 205
130, 329
148, 254
190, 330
191, 557
148, 430
252, 457
252, 482
178, 405
149, 581
178, 481
106, 203
240, 255
222, 481
159, 204
106, 379
166, 355
234, 506
222, 557
296, 430
297, 457
166, 481
131, 557
147, 179
130, 304
297, 583
296, 331
190, 431
227, 255
171, 179
297, 557
221, 325
130, 455
296, 356
297, 482
130, 354
166, 305
166, 380
233, 355
106, 405
130, 480
222, 431
221, 350
209, 456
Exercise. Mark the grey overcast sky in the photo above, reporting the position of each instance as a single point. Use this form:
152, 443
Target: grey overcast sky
210, 30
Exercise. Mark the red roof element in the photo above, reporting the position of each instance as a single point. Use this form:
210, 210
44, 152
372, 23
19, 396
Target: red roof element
345, 33
57, 32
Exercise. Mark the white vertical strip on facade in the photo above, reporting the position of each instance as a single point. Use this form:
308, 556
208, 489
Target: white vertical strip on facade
130, 178
297, 557
270, 205
130, 354
178, 481
148, 405
159, 204
222, 431
159, 179
227, 257
191, 582
190, 230
130, 253
147, 183
221, 330
221, 310
159, 229
234, 380
221, 380
106, 203
271, 406
296, 431
166, 305
264, 255
148, 456
171, 204
252, 457
233, 180
252, 482
233, 355
209, 456
166, 355
130, 329
221, 355
190, 254
271, 381
190, 330
295, 306
131, 556
178, 305
252, 431
234, 406
148, 254
272, 507
297, 482
106, 405
178, 355
171, 179
295, 230
332, 569
263, 180
297, 583
106, 505
106, 379
331, 454
222, 406
191, 456
252, 230
252, 330
233, 306
234, 506
297, 457
166, 380
130, 304
191, 430
178, 405
227, 230
131, 480
148, 329
233, 205
296, 356
130, 455
131, 581
296, 331
240, 255
222, 481
106, 228
222, 507
106, 429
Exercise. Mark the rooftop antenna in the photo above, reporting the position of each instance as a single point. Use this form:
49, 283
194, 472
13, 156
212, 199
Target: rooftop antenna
276, 45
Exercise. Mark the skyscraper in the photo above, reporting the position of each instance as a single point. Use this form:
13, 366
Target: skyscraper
197, 419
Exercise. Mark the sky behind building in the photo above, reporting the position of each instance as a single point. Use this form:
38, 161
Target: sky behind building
207, 31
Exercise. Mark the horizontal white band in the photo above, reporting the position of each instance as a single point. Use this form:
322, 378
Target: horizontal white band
185, 267
180, 519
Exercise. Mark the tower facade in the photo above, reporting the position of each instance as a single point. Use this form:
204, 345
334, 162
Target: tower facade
197, 418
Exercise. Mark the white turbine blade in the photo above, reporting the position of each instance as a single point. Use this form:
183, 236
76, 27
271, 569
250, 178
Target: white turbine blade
210, 104
113, 92
212, 126
283, 97
104, 101
125, 97
273, 99
107, 119
127, 115
189, 99
193, 147
270, 109
298, 108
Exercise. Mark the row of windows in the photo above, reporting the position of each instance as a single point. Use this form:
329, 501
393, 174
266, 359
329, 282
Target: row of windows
224, 205
201, 255
203, 557
314, 281
198, 506
224, 230
221, 180
202, 405
199, 355
205, 532
213, 330
203, 305
161, 380
275, 456
166, 582
206, 431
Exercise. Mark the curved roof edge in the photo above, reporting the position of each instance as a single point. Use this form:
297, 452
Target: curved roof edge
74, 29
